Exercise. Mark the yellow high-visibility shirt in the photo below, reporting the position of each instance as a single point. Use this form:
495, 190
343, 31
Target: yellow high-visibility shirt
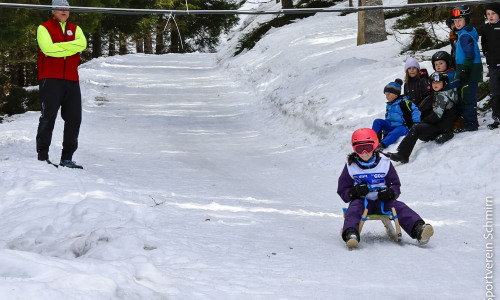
63, 49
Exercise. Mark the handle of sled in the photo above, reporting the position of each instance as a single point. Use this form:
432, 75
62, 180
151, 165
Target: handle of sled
396, 221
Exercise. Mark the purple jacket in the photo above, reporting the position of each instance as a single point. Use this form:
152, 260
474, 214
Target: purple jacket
346, 182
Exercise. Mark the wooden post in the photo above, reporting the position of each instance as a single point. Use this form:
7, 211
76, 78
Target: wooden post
371, 24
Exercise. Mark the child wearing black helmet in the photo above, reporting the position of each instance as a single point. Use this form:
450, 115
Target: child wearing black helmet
490, 42
443, 62
438, 125
469, 68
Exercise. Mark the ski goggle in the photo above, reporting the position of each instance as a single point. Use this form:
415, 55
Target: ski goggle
436, 77
456, 13
363, 148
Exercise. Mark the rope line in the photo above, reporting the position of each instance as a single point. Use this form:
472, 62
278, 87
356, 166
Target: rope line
136, 11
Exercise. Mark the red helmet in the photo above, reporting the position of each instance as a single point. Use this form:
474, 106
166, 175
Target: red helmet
364, 136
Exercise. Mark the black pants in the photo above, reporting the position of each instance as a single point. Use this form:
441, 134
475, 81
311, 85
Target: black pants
495, 92
424, 131
55, 93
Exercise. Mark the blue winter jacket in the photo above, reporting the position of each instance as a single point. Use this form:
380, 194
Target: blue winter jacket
468, 56
394, 114
453, 84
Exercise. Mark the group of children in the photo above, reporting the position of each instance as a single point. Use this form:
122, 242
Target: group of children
428, 110
449, 96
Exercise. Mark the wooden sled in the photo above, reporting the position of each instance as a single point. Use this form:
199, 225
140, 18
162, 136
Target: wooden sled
394, 232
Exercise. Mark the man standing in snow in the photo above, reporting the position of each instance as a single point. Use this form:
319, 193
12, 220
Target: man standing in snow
60, 43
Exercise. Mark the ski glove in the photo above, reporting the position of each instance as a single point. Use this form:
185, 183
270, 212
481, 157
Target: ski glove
386, 194
465, 70
464, 75
359, 190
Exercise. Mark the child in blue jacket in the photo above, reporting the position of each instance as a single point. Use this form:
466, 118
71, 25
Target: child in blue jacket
469, 67
442, 62
400, 115
437, 126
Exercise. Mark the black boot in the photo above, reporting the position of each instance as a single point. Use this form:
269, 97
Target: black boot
399, 157
381, 146
351, 238
422, 232
407, 144
496, 113
444, 137
494, 125
69, 164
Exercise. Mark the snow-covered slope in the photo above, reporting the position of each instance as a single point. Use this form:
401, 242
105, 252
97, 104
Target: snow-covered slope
211, 177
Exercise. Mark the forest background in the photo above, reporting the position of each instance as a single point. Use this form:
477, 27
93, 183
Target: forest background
113, 34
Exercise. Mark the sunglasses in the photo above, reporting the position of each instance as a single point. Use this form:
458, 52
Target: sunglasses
362, 148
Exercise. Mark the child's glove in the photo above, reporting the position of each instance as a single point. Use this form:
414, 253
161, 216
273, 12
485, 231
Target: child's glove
359, 190
465, 70
464, 75
386, 194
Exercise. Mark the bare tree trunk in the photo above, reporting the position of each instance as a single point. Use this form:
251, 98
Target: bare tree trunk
31, 73
148, 43
286, 4
371, 24
175, 42
97, 43
123, 44
139, 44
16, 69
112, 43
160, 40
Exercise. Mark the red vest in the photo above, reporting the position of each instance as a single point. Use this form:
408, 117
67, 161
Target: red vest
58, 67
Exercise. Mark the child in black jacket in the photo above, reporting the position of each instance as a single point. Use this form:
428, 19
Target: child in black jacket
490, 42
437, 125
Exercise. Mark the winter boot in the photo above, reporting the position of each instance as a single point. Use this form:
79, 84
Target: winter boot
399, 157
351, 238
443, 138
69, 164
463, 129
459, 123
422, 232
45, 158
381, 146
494, 125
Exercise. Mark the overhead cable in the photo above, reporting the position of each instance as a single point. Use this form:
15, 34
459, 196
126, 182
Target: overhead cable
137, 11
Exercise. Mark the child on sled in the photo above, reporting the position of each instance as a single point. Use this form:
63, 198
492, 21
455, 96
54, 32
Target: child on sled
368, 175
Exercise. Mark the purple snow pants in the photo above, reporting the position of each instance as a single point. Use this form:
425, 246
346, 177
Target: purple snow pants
407, 217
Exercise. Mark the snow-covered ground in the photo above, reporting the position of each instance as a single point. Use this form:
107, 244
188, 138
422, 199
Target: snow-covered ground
211, 177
